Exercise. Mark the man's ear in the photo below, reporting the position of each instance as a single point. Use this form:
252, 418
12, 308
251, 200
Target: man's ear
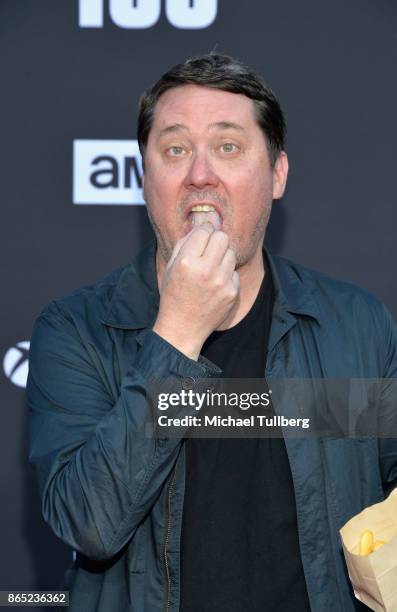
280, 174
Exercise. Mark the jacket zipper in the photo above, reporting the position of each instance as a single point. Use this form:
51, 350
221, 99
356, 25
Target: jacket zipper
167, 535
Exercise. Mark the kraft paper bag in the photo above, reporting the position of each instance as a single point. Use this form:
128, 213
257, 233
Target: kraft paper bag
374, 576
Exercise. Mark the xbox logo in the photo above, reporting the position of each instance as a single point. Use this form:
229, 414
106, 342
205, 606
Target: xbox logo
16, 364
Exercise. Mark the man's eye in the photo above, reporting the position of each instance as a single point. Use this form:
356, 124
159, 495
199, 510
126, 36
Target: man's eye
175, 151
228, 147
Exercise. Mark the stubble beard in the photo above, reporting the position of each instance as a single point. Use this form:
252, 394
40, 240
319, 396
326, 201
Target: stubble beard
243, 255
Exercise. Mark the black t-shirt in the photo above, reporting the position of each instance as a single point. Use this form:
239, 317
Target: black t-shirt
240, 549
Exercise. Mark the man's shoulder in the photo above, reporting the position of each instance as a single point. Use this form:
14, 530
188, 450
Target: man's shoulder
88, 300
126, 296
328, 292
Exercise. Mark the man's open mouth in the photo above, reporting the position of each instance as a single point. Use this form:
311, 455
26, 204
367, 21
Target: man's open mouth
204, 213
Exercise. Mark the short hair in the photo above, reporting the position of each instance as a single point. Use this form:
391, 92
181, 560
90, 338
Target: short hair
219, 72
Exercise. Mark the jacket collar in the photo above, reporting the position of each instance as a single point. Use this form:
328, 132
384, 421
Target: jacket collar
135, 299
294, 288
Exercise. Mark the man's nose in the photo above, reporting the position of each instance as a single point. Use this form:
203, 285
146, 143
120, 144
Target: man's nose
201, 173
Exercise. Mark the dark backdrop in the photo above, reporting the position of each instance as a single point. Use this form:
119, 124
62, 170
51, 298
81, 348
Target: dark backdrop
332, 64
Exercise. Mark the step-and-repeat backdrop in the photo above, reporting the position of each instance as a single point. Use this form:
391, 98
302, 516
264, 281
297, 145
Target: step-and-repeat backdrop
71, 73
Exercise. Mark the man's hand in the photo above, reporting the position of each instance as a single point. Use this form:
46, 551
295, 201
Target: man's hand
199, 288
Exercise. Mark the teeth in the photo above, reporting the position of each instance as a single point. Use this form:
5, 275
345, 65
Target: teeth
202, 208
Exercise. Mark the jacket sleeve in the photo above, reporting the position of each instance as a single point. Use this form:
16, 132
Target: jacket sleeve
388, 407
99, 471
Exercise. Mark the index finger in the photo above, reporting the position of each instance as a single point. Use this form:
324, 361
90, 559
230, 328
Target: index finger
197, 240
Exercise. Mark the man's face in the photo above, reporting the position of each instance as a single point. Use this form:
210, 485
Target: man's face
206, 148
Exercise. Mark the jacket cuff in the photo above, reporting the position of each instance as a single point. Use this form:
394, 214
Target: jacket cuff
168, 371
160, 359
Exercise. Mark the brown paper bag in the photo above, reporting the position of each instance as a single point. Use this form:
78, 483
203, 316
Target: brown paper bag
374, 577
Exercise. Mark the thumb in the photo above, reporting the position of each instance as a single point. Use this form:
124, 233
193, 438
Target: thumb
236, 280
178, 247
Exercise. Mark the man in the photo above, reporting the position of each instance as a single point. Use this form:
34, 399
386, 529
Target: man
177, 523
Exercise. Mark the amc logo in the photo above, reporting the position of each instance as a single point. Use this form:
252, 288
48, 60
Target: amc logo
184, 14
107, 172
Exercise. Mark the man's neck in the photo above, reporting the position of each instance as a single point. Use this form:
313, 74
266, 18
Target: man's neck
251, 276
